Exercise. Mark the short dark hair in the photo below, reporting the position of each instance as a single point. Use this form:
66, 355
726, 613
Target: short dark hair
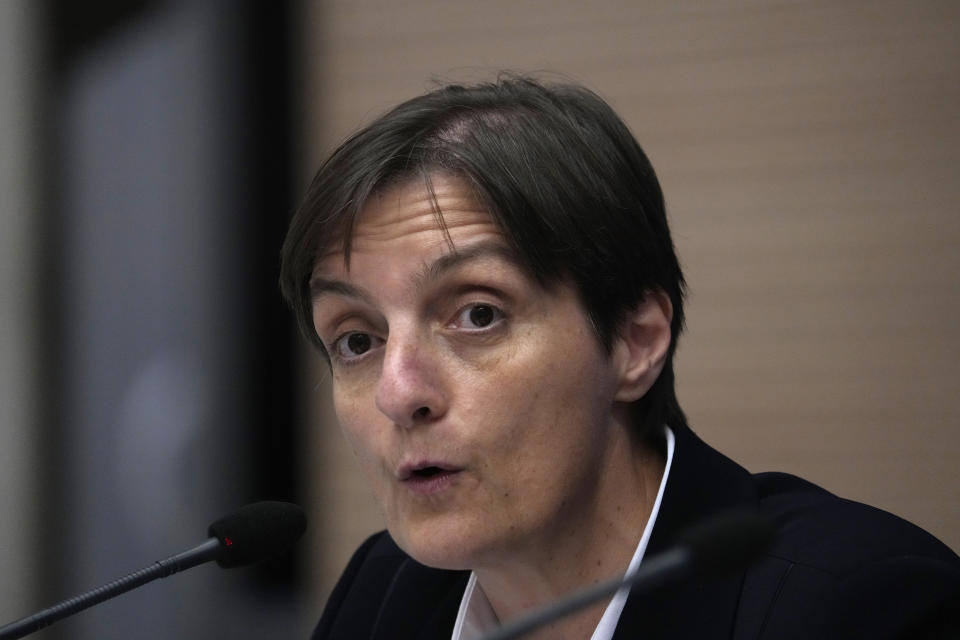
560, 173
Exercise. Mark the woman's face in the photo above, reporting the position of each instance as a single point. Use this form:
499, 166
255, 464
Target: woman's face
477, 402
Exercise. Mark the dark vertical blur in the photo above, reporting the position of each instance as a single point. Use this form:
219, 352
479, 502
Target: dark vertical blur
168, 353
267, 65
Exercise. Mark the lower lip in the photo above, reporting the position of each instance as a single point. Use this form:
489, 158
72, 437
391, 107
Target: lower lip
430, 485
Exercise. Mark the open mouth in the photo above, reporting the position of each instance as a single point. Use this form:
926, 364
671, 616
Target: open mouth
429, 478
428, 472
425, 470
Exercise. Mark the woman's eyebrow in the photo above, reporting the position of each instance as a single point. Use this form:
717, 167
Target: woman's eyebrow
320, 287
431, 272
456, 258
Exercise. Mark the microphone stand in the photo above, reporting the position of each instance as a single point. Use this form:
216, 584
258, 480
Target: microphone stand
659, 570
204, 552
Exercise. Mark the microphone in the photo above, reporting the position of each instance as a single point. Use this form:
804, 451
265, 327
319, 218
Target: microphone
256, 532
716, 546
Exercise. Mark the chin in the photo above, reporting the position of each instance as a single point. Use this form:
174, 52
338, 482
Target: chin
439, 547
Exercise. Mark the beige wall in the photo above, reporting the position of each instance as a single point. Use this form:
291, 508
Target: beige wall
809, 152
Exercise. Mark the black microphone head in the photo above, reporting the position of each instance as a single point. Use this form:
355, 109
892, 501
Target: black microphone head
257, 531
728, 541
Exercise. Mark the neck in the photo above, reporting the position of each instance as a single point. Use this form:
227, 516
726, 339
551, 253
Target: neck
590, 543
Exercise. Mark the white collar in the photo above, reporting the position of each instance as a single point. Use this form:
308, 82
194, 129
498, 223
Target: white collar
476, 616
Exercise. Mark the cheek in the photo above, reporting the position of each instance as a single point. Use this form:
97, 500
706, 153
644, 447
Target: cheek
538, 412
357, 424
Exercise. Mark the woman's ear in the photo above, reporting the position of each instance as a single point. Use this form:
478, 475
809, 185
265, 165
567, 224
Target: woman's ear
640, 347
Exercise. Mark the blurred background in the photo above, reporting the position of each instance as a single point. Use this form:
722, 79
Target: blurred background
151, 153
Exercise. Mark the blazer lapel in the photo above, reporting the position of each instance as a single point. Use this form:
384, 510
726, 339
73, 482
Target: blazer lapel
423, 603
702, 483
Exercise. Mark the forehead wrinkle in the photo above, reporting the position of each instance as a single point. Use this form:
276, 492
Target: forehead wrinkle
405, 209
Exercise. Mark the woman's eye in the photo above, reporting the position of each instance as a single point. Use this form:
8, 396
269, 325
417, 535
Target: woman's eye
478, 316
353, 345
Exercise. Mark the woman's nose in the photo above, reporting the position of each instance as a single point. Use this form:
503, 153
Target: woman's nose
410, 389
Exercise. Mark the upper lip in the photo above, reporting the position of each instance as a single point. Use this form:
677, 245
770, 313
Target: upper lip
407, 469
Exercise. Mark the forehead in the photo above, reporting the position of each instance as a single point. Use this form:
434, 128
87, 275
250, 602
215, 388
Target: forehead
436, 214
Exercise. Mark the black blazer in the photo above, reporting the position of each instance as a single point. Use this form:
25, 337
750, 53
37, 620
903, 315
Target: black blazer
839, 569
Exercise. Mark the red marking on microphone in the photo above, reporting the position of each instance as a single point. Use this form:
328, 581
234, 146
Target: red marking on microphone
228, 542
